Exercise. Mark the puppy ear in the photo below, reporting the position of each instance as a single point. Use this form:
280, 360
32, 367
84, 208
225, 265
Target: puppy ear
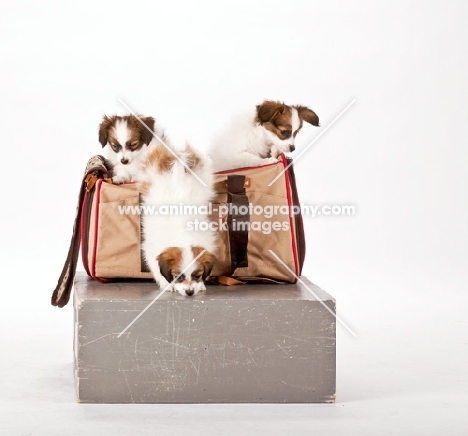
268, 109
167, 260
145, 134
104, 129
208, 260
165, 266
307, 115
165, 270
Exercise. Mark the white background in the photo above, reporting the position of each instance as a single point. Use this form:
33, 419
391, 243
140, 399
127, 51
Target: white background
398, 268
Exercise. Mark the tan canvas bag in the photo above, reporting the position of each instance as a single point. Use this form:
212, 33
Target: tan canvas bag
252, 218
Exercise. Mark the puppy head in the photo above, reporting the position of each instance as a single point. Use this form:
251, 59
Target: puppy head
187, 280
282, 123
126, 135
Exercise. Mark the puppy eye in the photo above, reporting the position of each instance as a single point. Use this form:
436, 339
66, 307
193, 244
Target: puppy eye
179, 279
286, 133
197, 277
132, 145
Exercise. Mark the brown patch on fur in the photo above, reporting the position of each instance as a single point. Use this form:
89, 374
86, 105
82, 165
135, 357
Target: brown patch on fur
161, 159
276, 117
170, 261
193, 160
307, 115
144, 187
106, 123
269, 109
139, 133
206, 261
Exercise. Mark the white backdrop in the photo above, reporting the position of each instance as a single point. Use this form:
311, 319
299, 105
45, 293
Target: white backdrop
399, 155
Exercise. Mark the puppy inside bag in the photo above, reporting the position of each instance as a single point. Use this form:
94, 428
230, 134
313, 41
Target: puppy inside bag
256, 223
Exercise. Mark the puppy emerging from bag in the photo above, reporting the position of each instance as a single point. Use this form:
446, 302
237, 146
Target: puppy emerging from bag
179, 259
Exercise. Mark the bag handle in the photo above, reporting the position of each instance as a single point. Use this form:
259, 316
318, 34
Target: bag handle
96, 168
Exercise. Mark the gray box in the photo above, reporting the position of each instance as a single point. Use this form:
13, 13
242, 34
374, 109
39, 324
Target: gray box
241, 344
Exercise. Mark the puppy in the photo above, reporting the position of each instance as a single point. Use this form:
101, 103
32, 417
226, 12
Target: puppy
127, 142
258, 137
179, 255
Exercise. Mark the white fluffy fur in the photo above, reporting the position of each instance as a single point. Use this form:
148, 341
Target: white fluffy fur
245, 143
162, 231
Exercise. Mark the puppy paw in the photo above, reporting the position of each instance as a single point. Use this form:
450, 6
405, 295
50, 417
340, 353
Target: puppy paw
275, 151
168, 286
117, 180
270, 160
163, 284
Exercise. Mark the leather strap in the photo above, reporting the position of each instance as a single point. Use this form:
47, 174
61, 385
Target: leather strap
238, 221
228, 281
143, 266
97, 166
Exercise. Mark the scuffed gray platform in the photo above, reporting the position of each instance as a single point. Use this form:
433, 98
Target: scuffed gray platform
253, 343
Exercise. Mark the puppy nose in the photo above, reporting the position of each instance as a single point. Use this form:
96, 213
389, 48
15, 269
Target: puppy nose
124, 160
292, 148
189, 292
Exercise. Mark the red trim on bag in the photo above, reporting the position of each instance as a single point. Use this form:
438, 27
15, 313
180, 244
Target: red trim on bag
248, 168
305, 245
291, 222
96, 225
82, 231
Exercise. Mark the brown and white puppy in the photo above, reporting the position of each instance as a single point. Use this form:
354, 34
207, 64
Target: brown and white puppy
127, 140
178, 248
257, 138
